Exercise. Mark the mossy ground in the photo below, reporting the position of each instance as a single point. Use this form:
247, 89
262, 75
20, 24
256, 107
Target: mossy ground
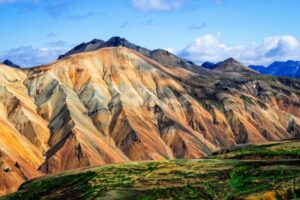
219, 177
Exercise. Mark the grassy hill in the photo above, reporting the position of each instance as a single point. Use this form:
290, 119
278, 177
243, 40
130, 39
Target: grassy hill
268, 171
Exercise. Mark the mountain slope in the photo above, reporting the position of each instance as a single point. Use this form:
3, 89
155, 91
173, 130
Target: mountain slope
117, 105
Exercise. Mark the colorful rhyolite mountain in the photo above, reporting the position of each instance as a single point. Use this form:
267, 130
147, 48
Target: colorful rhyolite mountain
119, 105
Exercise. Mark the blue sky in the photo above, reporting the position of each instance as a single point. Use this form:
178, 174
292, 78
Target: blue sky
35, 32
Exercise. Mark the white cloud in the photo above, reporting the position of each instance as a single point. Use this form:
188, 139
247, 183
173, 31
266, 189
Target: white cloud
156, 5
27, 56
169, 49
211, 48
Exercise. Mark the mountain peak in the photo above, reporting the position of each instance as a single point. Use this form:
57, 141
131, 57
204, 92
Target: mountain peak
117, 38
231, 60
117, 41
232, 65
10, 63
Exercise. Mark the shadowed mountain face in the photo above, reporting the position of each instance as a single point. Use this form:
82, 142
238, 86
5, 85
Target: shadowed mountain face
161, 56
118, 105
289, 69
208, 65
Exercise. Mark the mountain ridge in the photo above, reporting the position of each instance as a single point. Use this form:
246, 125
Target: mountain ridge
162, 56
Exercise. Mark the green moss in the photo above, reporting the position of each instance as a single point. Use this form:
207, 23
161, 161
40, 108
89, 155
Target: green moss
264, 151
218, 178
187, 192
247, 179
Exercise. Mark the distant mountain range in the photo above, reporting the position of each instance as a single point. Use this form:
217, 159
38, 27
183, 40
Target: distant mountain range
289, 69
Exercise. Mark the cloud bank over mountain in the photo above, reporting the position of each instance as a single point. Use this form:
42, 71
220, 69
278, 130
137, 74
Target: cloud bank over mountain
208, 47
211, 48
28, 56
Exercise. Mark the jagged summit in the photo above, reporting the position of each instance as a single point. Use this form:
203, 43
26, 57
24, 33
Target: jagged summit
10, 63
96, 44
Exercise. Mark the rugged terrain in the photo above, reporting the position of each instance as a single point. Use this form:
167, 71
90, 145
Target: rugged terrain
271, 172
116, 105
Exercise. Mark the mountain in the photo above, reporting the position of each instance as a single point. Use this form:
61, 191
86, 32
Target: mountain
11, 64
232, 65
208, 65
161, 56
117, 105
288, 69
229, 65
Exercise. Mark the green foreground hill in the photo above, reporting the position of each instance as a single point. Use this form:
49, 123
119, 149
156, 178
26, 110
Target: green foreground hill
267, 171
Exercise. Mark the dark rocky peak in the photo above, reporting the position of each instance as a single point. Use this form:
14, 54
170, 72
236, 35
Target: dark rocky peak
11, 64
117, 41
